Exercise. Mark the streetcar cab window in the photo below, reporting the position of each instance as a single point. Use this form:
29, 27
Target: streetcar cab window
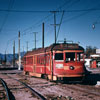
59, 56
70, 56
80, 56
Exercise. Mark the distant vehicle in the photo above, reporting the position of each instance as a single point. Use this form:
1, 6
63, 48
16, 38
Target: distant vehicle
87, 62
56, 62
95, 61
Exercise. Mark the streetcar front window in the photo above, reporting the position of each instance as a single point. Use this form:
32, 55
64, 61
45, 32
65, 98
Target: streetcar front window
59, 56
80, 56
70, 56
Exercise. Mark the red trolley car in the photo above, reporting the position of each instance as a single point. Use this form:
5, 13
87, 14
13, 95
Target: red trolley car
58, 61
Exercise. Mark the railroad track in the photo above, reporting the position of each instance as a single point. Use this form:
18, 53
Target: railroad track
38, 95
87, 92
90, 90
4, 91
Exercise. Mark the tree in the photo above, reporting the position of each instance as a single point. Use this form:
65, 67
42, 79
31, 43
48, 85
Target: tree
90, 50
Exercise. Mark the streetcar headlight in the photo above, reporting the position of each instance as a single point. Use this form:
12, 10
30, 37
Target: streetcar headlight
59, 66
71, 68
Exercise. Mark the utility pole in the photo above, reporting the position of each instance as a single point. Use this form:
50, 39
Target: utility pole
35, 39
23, 48
55, 24
0, 60
27, 45
14, 54
19, 68
42, 35
23, 51
5, 58
54, 12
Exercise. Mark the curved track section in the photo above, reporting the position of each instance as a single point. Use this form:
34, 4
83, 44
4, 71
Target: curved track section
4, 90
32, 90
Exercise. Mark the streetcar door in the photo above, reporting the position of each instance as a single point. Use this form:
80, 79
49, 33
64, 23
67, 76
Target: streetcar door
34, 65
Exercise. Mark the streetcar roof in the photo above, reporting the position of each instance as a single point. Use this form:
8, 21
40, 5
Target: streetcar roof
59, 47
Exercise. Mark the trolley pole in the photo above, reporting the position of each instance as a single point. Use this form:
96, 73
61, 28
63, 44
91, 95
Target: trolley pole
14, 54
42, 35
19, 67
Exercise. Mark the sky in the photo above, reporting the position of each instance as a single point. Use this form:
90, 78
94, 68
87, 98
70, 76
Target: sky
27, 17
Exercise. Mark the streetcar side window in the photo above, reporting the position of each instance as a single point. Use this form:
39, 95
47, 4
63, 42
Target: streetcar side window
29, 60
59, 56
70, 56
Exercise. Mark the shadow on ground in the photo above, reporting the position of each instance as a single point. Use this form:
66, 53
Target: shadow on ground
11, 95
91, 79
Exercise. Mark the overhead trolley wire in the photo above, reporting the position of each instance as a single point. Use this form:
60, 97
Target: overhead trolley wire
82, 14
39, 22
24, 11
38, 11
60, 25
45, 18
6, 17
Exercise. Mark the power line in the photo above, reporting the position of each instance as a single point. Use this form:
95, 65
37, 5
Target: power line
60, 24
88, 10
6, 17
74, 2
24, 11
33, 11
66, 2
45, 18
77, 10
82, 14
83, 10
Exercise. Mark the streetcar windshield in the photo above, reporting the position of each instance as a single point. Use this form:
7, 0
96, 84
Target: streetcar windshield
59, 56
70, 56
80, 56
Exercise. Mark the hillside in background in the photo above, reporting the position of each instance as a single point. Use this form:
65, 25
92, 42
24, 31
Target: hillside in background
9, 57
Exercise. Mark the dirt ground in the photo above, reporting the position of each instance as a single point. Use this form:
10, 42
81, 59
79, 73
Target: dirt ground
51, 90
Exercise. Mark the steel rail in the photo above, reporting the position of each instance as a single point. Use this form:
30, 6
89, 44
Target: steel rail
32, 90
6, 88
